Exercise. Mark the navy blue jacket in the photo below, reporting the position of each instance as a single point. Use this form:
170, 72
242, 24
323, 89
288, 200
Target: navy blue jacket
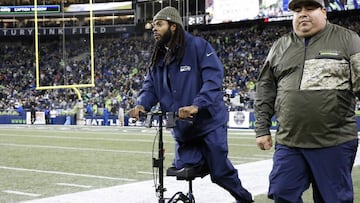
197, 80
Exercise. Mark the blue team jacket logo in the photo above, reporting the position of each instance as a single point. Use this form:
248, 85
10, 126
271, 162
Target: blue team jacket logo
185, 68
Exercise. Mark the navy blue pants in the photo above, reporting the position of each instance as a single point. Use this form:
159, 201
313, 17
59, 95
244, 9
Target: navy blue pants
212, 149
327, 169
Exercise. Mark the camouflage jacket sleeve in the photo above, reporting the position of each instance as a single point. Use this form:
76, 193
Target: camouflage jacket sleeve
354, 44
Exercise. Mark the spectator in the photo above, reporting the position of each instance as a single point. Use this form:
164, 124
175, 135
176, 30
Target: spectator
310, 85
52, 116
33, 114
47, 115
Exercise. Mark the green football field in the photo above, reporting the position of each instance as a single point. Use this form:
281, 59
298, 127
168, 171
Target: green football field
44, 161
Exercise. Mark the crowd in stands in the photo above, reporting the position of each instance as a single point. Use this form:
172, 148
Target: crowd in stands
120, 64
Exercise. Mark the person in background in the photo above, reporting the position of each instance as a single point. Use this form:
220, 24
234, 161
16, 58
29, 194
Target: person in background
20, 109
121, 115
309, 81
47, 115
94, 112
52, 116
185, 76
89, 110
33, 113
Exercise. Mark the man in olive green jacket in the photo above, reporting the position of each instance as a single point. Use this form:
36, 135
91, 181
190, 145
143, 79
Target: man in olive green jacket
309, 82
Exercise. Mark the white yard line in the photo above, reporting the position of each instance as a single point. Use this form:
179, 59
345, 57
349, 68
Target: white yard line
78, 138
74, 185
21, 193
75, 148
145, 172
65, 173
113, 139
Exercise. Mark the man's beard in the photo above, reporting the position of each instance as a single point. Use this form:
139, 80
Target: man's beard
164, 39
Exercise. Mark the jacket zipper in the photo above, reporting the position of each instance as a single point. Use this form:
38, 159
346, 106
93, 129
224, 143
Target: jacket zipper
303, 62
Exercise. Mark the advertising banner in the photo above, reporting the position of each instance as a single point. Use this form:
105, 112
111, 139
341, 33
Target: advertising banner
239, 119
40, 118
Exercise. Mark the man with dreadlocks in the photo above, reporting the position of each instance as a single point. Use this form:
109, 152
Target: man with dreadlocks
185, 76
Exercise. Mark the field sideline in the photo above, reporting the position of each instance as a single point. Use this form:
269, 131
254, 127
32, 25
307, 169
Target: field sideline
48, 164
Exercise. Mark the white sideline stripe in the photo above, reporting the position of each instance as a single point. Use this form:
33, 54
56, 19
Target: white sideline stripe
145, 172
79, 138
65, 173
21, 193
88, 129
232, 136
74, 185
75, 148
254, 177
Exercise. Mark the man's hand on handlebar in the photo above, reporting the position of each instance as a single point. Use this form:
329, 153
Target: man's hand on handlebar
188, 111
134, 112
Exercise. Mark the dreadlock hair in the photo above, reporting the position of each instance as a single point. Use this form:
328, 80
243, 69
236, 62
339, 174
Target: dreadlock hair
176, 47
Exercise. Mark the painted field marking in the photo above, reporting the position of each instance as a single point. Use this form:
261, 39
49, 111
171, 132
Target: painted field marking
74, 148
233, 136
79, 138
145, 172
74, 185
21, 193
65, 173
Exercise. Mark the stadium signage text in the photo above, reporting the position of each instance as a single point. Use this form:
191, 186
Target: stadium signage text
7, 32
29, 9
